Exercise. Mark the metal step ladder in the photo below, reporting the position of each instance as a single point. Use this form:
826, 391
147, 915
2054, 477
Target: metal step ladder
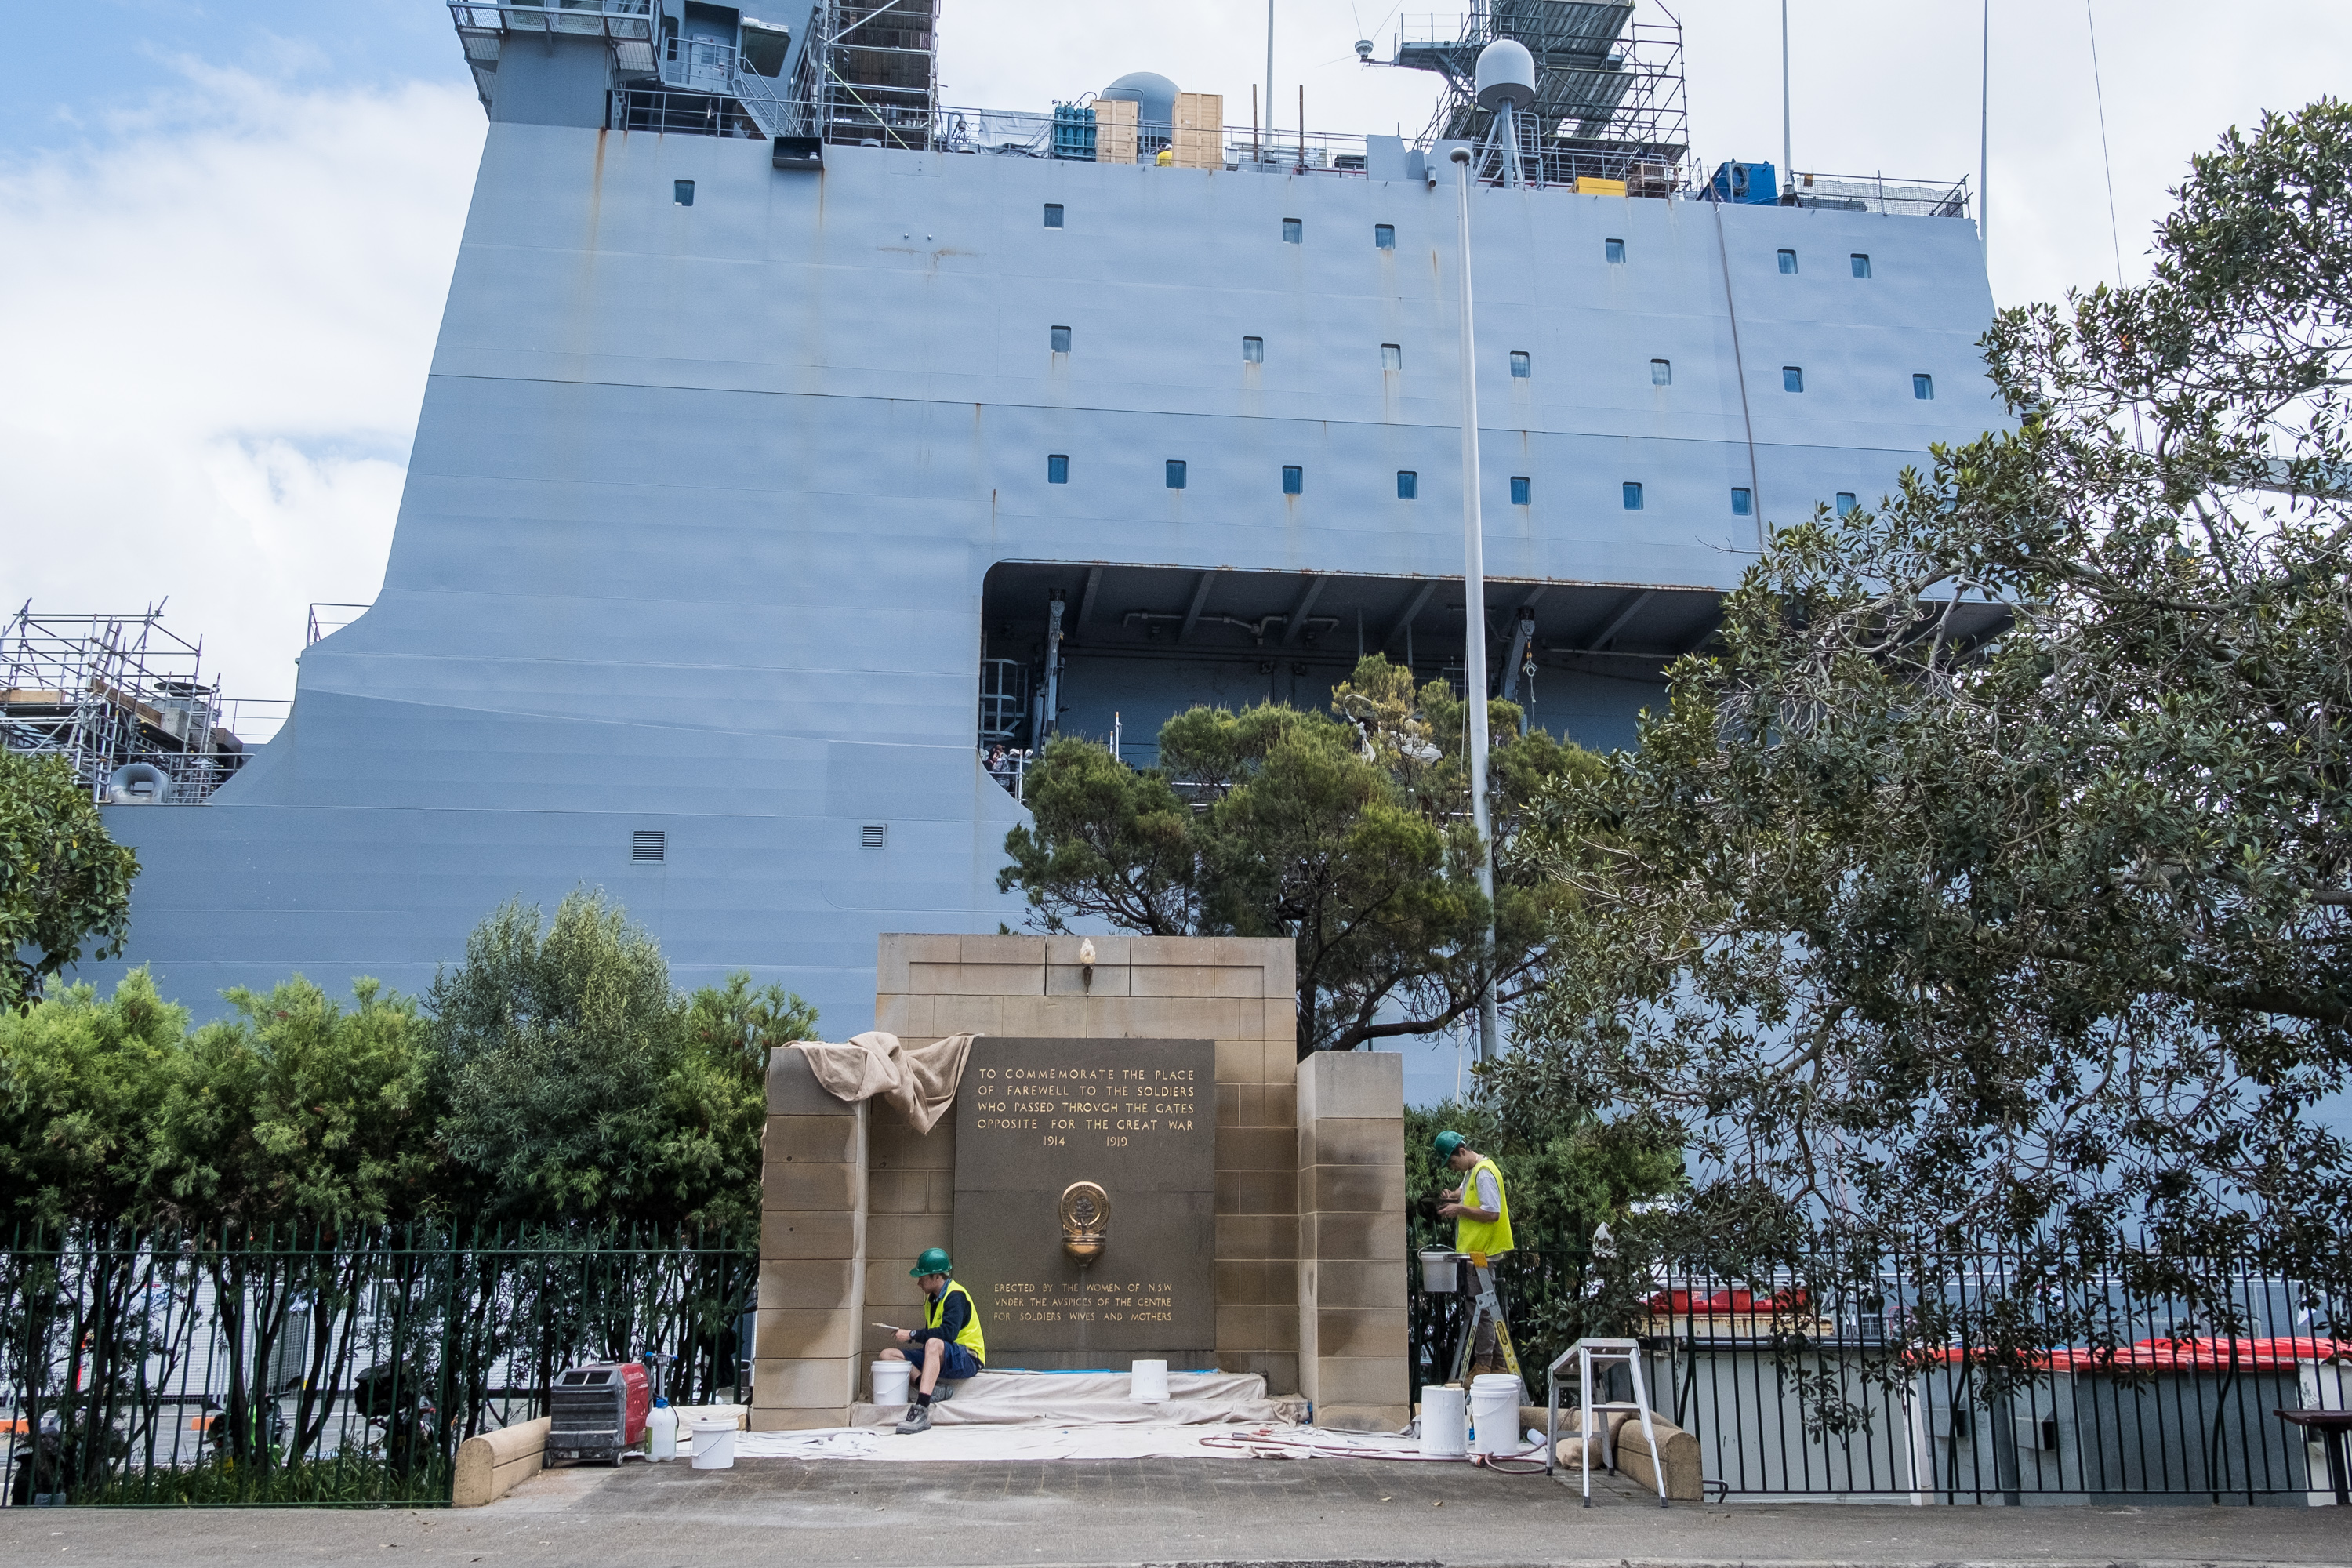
1587, 1354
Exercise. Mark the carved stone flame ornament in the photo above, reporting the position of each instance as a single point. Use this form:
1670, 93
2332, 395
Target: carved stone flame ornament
1086, 1221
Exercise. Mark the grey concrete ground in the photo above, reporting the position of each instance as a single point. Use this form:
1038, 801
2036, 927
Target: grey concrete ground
1357, 1513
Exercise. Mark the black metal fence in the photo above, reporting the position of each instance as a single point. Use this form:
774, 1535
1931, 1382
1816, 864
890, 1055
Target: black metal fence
1872, 1389
274, 1366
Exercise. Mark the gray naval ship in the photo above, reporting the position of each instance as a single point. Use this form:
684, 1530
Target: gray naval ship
794, 443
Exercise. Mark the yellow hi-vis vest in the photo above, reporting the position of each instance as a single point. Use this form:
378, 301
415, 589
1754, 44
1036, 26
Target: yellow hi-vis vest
1487, 1235
970, 1338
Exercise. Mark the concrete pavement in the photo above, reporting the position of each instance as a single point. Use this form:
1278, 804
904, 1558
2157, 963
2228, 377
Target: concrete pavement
1356, 1514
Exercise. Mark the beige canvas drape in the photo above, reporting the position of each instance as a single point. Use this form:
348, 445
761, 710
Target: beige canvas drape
920, 1080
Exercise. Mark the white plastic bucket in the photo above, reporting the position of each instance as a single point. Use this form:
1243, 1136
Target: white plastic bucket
1443, 1422
1440, 1274
1494, 1413
714, 1445
891, 1379
1147, 1381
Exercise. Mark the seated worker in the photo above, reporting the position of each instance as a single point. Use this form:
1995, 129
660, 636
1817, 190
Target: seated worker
952, 1345
1482, 1224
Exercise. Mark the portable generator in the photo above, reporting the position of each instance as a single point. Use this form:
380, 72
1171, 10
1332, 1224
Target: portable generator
598, 1411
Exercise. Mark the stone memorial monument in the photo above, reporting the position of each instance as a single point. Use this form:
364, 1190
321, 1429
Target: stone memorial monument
1136, 1166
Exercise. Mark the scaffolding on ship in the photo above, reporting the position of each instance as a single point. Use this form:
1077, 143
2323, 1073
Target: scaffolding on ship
123, 698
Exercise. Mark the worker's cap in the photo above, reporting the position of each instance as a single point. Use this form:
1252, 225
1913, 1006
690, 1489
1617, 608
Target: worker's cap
1447, 1141
934, 1261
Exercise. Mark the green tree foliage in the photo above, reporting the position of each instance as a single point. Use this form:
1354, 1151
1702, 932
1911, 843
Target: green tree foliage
1989, 888
1348, 831
63, 882
82, 1082
297, 1109
582, 1086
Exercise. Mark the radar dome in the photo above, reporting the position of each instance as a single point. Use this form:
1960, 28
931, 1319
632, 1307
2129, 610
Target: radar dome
1507, 74
1154, 93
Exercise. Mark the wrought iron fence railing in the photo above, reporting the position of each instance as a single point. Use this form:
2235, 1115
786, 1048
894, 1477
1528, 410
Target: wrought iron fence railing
1871, 1389
243, 1367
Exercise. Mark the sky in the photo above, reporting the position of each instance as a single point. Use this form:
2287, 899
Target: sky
226, 228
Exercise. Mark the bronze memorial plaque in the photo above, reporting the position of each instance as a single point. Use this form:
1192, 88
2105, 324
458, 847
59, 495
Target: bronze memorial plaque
1086, 1200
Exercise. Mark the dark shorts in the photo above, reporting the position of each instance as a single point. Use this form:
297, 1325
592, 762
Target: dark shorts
955, 1363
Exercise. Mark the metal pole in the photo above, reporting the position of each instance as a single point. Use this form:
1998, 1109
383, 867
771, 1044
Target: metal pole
1473, 608
1269, 74
1984, 139
1788, 158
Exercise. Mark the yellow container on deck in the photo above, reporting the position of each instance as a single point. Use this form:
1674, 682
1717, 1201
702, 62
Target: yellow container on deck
1586, 186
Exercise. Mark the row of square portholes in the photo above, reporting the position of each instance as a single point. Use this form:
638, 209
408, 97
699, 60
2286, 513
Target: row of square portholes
1294, 232
1408, 486
1662, 371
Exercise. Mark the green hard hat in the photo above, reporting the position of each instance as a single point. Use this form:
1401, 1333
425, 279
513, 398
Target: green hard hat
934, 1261
1447, 1141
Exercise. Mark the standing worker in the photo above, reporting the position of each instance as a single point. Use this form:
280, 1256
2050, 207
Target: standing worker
1481, 1212
953, 1347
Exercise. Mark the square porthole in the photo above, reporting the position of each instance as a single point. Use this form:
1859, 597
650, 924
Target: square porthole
1615, 249
1294, 480
1846, 503
1057, 469
1743, 501
1385, 237
1523, 490
1253, 351
1391, 356
1294, 231
1923, 387
1522, 366
1053, 215
1792, 378
1861, 264
1632, 495
681, 192
1175, 473
1662, 373
1788, 261
1408, 485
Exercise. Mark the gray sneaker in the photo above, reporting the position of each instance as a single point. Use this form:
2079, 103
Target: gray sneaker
917, 1419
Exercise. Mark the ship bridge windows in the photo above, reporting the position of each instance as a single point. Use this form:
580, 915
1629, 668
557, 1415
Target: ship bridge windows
1253, 351
1923, 387
1861, 264
1057, 469
681, 192
1408, 485
1523, 490
1662, 373
1846, 504
1743, 501
1053, 215
1788, 261
1615, 249
1792, 378
1632, 495
1385, 237
1059, 337
1175, 473
1391, 356
1522, 366
1294, 231
1294, 480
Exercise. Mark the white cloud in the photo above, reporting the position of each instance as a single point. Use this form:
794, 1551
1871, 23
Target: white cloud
218, 320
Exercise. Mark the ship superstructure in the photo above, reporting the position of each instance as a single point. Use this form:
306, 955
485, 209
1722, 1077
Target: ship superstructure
792, 442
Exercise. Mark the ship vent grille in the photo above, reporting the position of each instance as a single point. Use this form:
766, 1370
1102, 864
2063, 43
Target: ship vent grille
875, 832
648, 844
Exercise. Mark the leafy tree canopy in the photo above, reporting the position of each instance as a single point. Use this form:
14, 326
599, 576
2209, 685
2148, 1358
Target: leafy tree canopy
1989, 886
81, 1090
1348, 831
63, 882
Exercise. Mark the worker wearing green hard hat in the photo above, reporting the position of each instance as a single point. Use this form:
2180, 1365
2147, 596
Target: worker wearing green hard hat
952, 1345
1481, 1212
